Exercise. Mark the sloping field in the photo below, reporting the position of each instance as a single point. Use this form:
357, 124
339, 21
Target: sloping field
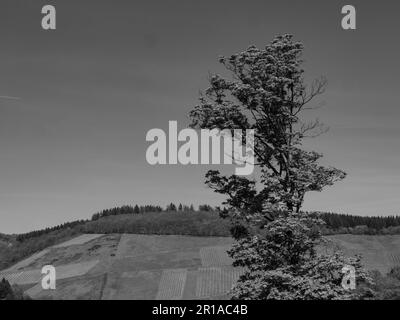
62, 272
86, 287
216, 281
215, 256
101, 249
59, 254
82, 239
73, 260
151, 267
378, 252
167, 267
172, 284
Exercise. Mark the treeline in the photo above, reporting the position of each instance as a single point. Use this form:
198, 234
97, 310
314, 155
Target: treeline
351, 224
335, 223
5, 237
37, 233
121, 210
128, 209
198, 223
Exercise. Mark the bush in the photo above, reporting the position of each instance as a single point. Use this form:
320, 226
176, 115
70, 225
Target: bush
386, 287
8, 292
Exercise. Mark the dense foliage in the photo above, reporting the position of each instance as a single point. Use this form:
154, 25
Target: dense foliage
282, 263
344, 223
200, 223
37, 233
128, 209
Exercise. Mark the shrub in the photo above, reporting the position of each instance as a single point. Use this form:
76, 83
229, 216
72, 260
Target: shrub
8, 292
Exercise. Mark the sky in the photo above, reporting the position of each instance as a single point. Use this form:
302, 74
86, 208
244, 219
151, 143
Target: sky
76, 102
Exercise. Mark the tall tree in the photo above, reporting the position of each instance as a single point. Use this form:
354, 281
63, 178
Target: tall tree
267, 93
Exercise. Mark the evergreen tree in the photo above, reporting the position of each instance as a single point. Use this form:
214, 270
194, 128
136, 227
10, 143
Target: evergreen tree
8, 292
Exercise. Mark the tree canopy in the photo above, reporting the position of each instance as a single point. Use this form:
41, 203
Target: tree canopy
277, 242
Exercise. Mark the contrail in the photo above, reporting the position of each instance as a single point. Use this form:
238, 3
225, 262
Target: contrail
10, 97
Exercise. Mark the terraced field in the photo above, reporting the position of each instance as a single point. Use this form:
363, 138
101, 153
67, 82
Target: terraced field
161, 267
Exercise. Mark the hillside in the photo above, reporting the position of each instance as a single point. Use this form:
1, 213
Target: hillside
155, 220
380, 252
6, 240
129, 266
199, 223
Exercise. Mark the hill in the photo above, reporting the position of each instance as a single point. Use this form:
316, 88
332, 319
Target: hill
137, 220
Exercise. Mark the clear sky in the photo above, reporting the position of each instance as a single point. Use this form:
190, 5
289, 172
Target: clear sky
72, 140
